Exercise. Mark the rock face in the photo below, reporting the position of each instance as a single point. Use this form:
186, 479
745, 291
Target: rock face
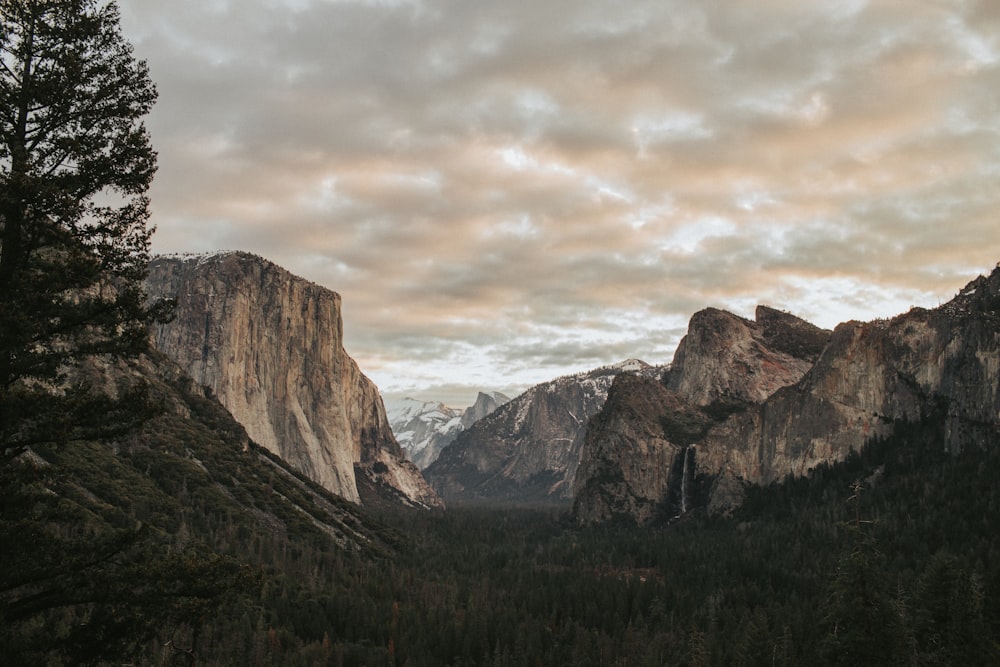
764, 400
629, 465
640, 455
269, 345
424, 428
945, 360
727, 360
528, 450
485, 405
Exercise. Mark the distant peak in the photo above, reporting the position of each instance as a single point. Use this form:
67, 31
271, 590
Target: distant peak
200, 256
631, 365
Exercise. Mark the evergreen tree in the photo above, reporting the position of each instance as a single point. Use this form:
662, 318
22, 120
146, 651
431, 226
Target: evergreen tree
864, 627
950, 626
75, 165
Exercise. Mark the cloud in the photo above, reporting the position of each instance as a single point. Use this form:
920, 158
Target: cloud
504, 192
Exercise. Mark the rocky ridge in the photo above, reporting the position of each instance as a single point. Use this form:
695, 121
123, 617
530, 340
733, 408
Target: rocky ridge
528, 450
726, 359
640, 450
924, 362
424, 428
269, 346
777, 397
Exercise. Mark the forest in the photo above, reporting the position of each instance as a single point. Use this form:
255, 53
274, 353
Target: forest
887, 558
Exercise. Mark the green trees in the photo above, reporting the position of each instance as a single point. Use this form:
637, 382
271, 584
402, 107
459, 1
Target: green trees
950, 627
866, 628
75, 165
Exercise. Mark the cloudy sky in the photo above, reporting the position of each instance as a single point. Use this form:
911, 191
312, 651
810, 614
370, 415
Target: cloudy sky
507, 191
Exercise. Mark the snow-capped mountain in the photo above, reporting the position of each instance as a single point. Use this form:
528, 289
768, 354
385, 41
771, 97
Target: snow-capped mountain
528, 450
424, 428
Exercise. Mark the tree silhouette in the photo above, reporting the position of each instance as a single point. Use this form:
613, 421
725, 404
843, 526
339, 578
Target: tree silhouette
75, 165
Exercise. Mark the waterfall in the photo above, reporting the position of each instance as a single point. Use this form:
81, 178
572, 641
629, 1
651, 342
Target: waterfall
684, 480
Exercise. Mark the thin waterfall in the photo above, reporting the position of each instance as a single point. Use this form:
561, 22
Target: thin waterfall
684, 480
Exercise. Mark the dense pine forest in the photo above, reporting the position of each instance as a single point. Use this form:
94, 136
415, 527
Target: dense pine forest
888, 558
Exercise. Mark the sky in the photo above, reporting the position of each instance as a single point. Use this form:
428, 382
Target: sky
504, 192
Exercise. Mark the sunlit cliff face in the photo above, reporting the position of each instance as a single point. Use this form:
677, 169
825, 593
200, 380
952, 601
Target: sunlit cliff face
505, 192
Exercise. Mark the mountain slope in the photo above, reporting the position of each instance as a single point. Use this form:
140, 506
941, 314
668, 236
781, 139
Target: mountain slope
639, 453
727, 360
779, 402
113, 545
269, 346
424, 428
869, 377
528, 450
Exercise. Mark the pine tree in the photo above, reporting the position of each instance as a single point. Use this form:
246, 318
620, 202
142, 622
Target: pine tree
75, 166
864, 628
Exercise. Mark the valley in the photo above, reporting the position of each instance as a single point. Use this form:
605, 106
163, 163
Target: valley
612, 517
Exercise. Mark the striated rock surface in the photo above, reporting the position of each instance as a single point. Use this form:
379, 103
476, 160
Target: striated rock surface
424, 428
640, 450
629, 464
485, 405
924, 362
778, 397
269, 345
528, 450
727, 360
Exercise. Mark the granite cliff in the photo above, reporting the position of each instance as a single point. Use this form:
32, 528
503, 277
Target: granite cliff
629, 465
727, 360
924, 362
269, 346
639, 453
528, 450
751, 403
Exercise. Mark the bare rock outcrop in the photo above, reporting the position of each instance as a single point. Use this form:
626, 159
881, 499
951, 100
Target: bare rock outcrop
269, 345
484, 406
528, 450
727, 360
630, 464
923, 362
781, 397
640, 451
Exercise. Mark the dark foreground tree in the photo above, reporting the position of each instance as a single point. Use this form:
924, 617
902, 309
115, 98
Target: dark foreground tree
75, 165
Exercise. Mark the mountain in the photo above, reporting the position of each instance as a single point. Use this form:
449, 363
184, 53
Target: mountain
727, 360
424, 428
638, 453
628, 464
756, 402
485, 405
870, 377
269, 346
136, 536
528, 450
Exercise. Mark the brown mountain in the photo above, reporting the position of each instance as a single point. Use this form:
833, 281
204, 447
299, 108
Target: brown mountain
639, 450
269, 346
764, 400
527, 451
